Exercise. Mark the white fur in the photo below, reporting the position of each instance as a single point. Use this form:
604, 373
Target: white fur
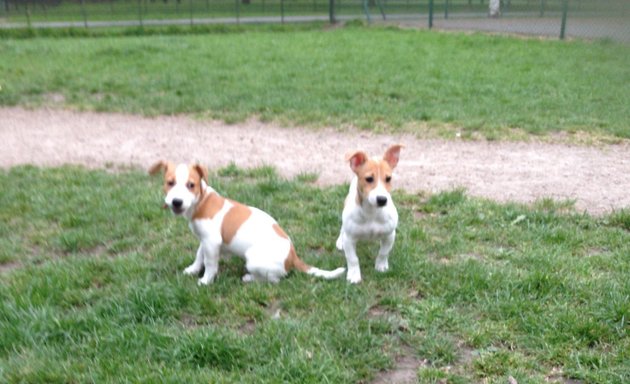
263, 249
364, 222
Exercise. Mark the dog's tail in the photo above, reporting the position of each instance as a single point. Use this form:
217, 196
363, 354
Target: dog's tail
297, 263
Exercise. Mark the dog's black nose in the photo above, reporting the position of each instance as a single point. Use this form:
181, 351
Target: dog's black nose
381, 201
177, 203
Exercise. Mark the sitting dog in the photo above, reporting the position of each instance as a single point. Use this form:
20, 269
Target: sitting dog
369, 212
223, 224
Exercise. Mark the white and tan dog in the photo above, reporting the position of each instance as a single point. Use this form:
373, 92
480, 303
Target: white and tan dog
369, 211
223, 224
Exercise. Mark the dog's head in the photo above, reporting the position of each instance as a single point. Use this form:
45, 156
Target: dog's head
184, 184
375, 175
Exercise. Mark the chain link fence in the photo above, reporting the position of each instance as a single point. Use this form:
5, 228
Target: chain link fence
590, 19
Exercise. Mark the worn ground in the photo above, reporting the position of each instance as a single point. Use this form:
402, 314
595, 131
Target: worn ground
597, 178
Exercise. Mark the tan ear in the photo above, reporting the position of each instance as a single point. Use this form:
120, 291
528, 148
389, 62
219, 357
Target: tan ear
356, 159
392, 155
160, 166
202, 171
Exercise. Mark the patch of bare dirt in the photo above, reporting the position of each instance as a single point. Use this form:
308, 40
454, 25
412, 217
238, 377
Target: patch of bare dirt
8, 267
597, 178
404, 371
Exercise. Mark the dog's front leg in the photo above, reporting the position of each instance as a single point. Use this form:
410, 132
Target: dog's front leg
354, 270
387, 244
211, 254
195, 267
339, 243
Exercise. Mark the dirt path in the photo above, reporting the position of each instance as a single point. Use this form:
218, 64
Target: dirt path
597, 178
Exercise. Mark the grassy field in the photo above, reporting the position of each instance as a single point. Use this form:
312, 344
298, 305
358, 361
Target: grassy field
373, 78
91, 289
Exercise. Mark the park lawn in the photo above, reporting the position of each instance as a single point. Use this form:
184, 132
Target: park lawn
381, 79
92, 290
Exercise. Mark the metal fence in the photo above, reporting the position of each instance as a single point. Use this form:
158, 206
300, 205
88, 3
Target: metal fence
591, 19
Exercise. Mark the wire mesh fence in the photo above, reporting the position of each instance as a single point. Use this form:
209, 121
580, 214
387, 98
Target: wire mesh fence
558, 18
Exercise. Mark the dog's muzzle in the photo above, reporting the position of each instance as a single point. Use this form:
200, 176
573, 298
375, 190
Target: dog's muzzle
381, 201
176, 206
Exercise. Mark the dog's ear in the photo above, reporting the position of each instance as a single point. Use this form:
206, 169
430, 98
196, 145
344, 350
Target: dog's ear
160, 166
356, 159
202, 171
392, 155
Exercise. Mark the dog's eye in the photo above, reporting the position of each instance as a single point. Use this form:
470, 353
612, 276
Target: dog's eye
190, 185
170, 183
388, 179
369, 179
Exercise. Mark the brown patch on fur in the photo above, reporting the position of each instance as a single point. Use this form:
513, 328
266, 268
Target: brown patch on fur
169, 173
280, 231
202, 171
233, 220
158, 167
294, 262
385, 173
357, 159
209, 206
373, 169
196, 173
376, 171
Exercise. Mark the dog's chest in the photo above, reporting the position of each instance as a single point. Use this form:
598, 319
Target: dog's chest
369, 225
206, 228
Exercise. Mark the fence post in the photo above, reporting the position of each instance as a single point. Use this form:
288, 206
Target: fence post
85, 24
331, 11
366, 10
191, 13
28, 15
238, 11
380, 7
430, 14
563, 25
446, 9
282, 11
140, 12
542, 8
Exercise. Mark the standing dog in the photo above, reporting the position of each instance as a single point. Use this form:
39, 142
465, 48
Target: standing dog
369, 211
223, 224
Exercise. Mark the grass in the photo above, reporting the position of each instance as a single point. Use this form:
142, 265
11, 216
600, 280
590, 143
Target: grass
373, 78
91, 289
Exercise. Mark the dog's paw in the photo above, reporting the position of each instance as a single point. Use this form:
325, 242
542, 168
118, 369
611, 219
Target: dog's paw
382, 266
354, 280
192, 270
205, 280
248, 278
353, 277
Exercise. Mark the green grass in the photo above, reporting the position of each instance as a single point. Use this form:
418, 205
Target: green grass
91, 289
372, 78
